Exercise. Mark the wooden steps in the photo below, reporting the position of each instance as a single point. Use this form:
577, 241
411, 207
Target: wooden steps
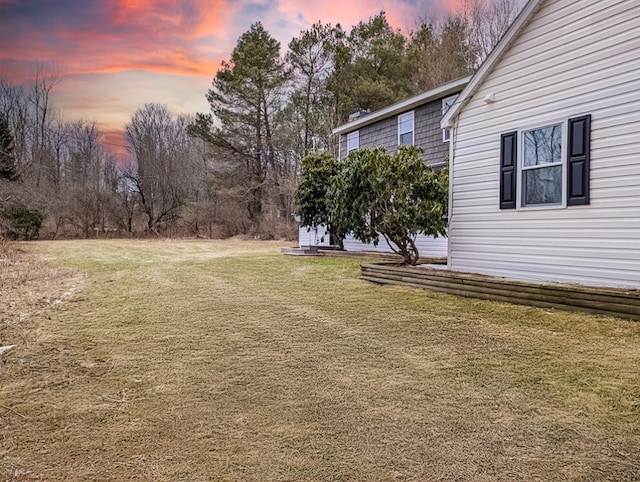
384, 256
301, 251
605, 301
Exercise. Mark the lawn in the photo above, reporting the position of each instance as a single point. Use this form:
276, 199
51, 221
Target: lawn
225, 360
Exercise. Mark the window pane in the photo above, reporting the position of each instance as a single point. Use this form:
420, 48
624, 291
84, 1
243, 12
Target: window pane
542, 185
405, 123
543, 146
353, 141
447, 103
406, 139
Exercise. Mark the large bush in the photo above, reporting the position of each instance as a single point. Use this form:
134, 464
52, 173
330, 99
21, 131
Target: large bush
21, 212
20, 221
394, 196
318, 171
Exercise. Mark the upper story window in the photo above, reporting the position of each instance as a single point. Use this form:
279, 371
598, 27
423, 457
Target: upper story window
447, 102
405, 129
353, 141
542, 166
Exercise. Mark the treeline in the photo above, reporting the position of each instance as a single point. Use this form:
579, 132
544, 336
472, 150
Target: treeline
234, 170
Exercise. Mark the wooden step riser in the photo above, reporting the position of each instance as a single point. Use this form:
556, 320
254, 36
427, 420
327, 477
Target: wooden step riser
464, 278
507, 291
542, 292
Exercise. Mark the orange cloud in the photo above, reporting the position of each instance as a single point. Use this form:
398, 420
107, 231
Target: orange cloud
112, 35
182, 18
400, 13
115, 143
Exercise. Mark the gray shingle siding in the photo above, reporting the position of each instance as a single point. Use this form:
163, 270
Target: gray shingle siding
381, 134
427, 133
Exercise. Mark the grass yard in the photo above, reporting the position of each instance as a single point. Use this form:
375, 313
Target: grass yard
194, 360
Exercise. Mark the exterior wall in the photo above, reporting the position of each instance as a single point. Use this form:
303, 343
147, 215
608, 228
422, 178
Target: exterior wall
428, 135
380, 134
427, 132
311, 237
428, 247
573, 58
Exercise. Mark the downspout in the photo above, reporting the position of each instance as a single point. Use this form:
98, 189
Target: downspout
452, 139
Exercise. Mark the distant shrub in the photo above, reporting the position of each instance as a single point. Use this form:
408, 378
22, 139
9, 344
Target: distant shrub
20, 221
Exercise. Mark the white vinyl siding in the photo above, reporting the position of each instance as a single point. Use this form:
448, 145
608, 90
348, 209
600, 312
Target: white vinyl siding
313, 237
428, 247
574, 58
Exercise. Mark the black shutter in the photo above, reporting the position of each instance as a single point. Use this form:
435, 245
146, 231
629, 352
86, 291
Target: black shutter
578, 157
508, 156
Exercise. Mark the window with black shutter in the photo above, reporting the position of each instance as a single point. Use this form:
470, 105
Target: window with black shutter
544, 158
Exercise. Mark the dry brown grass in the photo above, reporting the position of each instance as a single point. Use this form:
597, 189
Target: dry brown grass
28, 286
228, 361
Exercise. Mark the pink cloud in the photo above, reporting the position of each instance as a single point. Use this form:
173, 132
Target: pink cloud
115, 142
401, 14
119, 54
159, 36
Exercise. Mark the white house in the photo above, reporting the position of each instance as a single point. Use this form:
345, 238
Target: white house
545, 149
317, 236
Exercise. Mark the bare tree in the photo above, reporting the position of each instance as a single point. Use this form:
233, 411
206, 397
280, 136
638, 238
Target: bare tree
46, 77
439, 52
487, 21
159, 144
126, 200
85, 193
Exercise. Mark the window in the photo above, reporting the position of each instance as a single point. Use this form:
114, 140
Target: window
554, 161
447, 102
353, 141
405, 129
542, 166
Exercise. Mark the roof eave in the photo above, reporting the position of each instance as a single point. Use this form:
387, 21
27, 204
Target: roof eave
403, 106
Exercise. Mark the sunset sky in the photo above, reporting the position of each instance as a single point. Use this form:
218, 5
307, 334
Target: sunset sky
119, 54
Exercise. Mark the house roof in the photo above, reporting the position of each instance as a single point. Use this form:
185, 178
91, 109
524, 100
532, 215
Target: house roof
403, 106
521, 21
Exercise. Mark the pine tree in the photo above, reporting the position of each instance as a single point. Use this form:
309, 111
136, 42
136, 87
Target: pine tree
370, 67
7, 156
246, 96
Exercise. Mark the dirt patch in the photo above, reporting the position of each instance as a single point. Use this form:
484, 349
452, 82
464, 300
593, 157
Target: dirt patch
29, 286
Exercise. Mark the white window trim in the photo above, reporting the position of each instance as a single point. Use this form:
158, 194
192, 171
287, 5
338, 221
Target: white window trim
413, 128
356, 134
446, 133
520, 163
